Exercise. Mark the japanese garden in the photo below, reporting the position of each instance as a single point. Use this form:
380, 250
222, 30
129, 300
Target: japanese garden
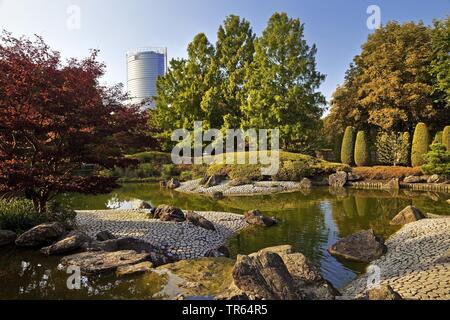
362, 190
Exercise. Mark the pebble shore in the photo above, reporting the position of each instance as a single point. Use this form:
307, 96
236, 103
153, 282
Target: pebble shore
181, 240
417, 264
261, 187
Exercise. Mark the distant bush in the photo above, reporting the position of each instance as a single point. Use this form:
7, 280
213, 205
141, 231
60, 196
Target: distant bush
169, 171
437, 161
420, 144
19, 215
438, 137
385, 173
392, 148
362, 150
348, 146
446, 137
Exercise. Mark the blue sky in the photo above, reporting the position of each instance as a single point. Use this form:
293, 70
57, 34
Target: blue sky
337, 27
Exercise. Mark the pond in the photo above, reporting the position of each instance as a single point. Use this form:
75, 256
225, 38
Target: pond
309, 221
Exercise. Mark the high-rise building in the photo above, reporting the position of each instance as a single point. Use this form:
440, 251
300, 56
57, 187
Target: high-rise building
144, 66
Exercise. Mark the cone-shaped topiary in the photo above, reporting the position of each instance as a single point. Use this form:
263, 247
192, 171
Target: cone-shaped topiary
348, 146
362, 150
446, 138
420, 144
438, 137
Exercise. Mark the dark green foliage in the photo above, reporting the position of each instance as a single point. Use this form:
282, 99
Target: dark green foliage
348, 146
437, 137
437, 161
420, 144
446, 137
362, 150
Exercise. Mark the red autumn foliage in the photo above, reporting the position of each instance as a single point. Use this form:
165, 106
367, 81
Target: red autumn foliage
55, 118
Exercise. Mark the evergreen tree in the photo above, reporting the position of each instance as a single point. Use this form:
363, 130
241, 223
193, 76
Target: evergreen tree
348, 146
362, 150
420, 145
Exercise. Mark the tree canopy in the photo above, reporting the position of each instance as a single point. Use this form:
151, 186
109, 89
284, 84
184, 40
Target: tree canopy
245, 81
55, 118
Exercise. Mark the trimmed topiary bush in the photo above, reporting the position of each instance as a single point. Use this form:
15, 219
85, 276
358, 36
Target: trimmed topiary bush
420, 144
348, 146
446, 137
362, 150
438, 137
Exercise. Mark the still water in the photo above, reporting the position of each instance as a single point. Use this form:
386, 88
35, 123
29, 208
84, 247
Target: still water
309, 221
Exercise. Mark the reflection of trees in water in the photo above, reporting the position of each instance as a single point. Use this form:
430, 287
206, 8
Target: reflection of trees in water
304, 228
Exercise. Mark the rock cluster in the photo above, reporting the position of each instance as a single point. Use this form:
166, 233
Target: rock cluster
362, 246
277, 274
255, 217
407, 215
338, 180
41, 235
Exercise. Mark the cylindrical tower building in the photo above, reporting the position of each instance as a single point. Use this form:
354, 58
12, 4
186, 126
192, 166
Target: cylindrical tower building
144, 66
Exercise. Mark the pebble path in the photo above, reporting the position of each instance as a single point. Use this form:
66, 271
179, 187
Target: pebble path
181, 240
417, 264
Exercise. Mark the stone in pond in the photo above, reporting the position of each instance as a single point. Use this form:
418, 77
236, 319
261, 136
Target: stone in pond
306, 184
140, 205
363, 246
255, 217
139, 268
338, 180
41, 235
407, 215
213, 181
173, 184
92, 263
72, 242
383, 293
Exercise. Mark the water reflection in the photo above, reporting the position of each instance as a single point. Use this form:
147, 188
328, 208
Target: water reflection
310, 222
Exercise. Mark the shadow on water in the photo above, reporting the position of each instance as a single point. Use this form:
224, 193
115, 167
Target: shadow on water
309, 221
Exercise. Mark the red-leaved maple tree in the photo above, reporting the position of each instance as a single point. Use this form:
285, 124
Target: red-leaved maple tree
55, 118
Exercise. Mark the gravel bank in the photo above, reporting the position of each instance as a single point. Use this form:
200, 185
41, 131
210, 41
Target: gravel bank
182, 240
417, 264
261, 187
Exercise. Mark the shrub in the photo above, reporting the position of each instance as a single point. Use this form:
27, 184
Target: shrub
19, 214
437, 161
362, 151
421, 142
405, 158
438, 137
169, 171
446, 137
385, 173
392, 148
348, 146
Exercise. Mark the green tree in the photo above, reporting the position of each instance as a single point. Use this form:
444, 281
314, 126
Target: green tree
181, 91
348, 146
393, 148
437, 161
389, 85
282, 83
446, 137
440, 64
420, 144
362, 150
234, 52
405, 158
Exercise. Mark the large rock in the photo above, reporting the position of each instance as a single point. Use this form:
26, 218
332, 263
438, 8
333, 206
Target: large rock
277, 273
362, 246
407, 215
384, 293
352, 177
222, 251
157, 256
72, 242
393, 184
173, 184
139, 268
213, 181
306, 184
169, 213
140, 205
239, 182
105, 235
41, 235
218, 195
92, 263
255, 217
7, 237
264, 276
338, 180
199, 221
435, 178
413, 179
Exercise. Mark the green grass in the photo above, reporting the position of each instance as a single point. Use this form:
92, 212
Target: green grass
293, 167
